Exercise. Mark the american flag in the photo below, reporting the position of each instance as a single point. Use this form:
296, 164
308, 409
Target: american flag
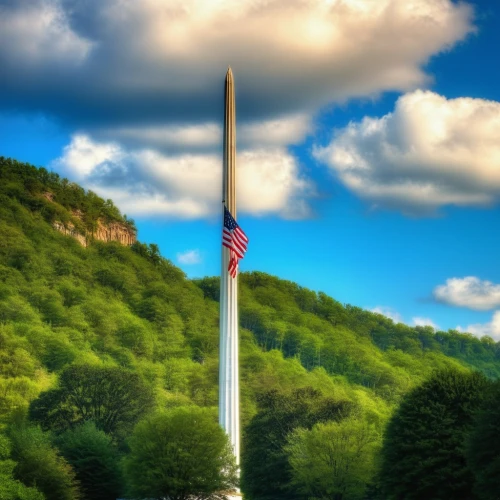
235, 239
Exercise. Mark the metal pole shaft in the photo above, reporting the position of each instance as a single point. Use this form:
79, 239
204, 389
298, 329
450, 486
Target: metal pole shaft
229, 395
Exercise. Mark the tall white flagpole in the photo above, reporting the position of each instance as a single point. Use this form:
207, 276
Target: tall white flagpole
229, 391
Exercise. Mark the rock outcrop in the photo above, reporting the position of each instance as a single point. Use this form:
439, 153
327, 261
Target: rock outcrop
69, 230
113, 231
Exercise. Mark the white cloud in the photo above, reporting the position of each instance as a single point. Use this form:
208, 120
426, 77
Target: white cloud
269, 181
281, 131
492, 329
39, 33
142, 83
390, 313
146, 182
470, 292
276, 132
175, 137
189, 257
430, 152
150, 57
82, 155
420, 321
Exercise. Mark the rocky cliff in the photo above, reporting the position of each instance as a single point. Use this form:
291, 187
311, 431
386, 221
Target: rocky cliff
115, 231
69, 230
112, 231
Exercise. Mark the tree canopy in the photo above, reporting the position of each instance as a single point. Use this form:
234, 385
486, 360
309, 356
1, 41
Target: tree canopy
94, 459
266, 473
111, 397
423, 454
180, 455
483, 446
334, 460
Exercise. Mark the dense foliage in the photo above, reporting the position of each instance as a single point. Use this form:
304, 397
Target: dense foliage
266, 472
112, 398
94, 459
76, 322
180, 455
483, 446
423, 454
56, 198
40, 465
334, 460
11, 488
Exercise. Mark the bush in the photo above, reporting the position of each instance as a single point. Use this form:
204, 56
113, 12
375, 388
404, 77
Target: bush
95, 461
182, 454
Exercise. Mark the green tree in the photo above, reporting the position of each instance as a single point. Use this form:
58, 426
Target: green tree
180, 455
334, 460
266, 474
112, 397
95, 461
11, 488
423, 453
483, 447
40, 465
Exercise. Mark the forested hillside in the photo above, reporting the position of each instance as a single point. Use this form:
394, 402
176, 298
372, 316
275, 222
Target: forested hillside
73, 317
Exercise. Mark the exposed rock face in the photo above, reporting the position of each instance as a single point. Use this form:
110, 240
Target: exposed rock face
114, 231
70, 231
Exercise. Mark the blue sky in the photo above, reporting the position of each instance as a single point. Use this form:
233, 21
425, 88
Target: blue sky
368, 153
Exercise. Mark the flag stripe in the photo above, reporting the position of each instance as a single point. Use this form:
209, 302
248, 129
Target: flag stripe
233, 238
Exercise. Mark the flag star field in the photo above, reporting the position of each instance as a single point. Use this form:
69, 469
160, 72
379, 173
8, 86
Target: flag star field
368, 152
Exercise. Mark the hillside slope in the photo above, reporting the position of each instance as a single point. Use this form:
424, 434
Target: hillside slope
117, 305
61, 302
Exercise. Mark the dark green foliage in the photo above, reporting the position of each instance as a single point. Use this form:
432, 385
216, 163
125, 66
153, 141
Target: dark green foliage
113, 398
11, 488
483, 447
266, 474
210, 287
95, 461
423, 455
180, 455
40, 465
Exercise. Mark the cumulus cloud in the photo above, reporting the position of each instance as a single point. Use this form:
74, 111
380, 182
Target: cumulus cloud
189, 257
420, 321
39, 33
147, 182
281, 131
167, 138
142, 84
491, 329
470, 292
430, 152
207, 136
390, 313
155, 61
